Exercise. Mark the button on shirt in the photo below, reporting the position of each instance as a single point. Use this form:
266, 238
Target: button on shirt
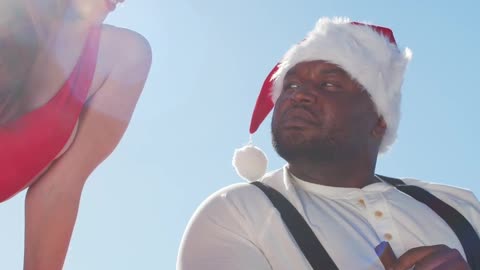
238, 228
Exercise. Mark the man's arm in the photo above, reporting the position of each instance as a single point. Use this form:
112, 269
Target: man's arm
52, 202
217, 239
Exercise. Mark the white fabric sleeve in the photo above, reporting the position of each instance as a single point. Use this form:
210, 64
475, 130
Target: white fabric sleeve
219, 237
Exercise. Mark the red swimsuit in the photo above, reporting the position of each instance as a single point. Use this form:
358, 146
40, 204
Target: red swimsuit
30, 143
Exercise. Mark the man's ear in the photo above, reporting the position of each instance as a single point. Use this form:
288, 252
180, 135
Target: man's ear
380, 128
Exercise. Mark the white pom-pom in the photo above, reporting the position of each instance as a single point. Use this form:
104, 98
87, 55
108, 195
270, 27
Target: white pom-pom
250, 162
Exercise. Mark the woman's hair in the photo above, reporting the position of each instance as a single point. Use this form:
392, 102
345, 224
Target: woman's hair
22, 24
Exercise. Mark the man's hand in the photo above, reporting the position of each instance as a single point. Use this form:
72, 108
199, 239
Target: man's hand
439, 257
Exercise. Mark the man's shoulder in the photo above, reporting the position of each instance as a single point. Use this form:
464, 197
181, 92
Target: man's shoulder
230, 221
239, 200
245, 192
448, 193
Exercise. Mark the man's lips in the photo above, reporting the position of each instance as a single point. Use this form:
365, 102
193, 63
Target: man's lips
298, 117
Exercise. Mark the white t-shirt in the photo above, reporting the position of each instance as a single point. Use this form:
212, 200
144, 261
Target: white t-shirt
237, 228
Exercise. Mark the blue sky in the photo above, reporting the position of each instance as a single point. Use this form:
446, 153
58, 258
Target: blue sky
210, 59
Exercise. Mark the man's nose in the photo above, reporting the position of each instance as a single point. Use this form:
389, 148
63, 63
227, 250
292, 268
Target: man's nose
303, 95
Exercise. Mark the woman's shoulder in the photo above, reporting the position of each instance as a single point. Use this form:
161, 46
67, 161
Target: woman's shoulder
124, 56
126, 42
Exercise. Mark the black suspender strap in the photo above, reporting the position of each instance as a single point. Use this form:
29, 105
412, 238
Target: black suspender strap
458, 223
306, 240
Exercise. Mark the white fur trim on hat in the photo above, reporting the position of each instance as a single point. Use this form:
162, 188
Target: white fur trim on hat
369, 57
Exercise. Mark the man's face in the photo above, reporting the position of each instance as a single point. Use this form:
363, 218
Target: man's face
321, 114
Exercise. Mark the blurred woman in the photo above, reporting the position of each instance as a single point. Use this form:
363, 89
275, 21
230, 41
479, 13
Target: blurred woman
68, 88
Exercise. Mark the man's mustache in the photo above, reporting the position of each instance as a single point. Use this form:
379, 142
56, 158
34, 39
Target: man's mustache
302, 113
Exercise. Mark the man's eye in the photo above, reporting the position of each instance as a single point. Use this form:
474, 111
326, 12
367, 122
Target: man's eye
291, 86
329, 86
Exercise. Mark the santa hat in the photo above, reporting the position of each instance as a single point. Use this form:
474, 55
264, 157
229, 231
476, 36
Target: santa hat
368, 53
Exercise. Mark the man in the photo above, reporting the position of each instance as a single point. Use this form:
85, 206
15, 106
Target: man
336, 98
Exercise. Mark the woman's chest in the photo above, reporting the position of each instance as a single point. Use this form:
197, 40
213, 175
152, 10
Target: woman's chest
55, 65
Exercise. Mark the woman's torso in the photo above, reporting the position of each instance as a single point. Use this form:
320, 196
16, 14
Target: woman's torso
53, 66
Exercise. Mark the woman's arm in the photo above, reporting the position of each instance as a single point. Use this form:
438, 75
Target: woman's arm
52, 202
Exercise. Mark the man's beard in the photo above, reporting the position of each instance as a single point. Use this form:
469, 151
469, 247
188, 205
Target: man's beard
296, 146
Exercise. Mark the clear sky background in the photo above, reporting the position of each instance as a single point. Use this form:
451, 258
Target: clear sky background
210, 59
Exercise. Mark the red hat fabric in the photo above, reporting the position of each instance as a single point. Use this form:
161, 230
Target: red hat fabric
264, 102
